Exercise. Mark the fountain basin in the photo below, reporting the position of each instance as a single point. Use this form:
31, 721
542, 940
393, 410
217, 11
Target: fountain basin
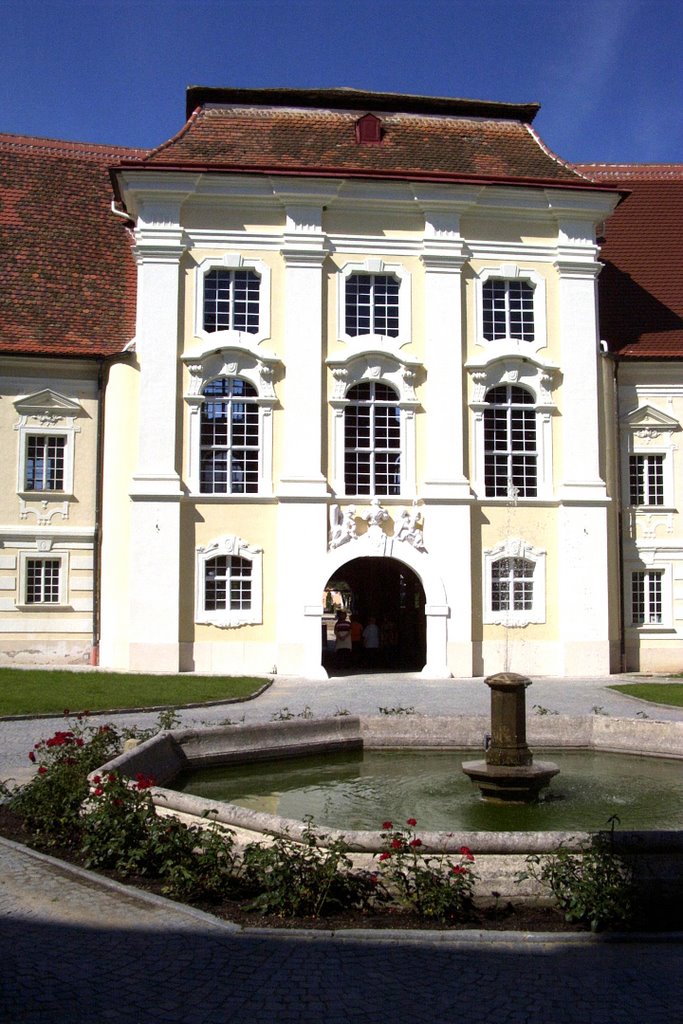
500, 855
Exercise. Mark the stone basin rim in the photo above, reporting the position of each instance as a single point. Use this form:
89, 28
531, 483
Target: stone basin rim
164, 755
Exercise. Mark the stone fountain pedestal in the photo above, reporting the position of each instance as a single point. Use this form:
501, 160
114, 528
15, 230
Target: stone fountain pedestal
509, 773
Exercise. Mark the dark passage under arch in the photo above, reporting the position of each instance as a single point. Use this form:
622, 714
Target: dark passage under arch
391, 593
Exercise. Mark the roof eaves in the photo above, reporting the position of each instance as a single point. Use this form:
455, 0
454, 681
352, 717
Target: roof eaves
345, 172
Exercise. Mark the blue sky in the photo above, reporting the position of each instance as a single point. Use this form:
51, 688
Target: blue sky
608, 73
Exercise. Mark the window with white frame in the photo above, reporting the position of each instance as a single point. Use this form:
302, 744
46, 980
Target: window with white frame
231, 300
47, 430
510, 450
511, 307
372, 440
42, 578
512, 585
44, 462
508, 310
372, 305
229, 583
647, 597
514, 575
229, 437
646, 479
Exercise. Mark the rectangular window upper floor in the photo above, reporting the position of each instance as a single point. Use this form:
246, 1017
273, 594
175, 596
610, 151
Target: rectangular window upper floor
47, 428
232, 299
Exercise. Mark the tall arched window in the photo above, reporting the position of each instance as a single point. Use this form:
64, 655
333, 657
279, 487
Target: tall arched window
510, 452
372, 440
229, 437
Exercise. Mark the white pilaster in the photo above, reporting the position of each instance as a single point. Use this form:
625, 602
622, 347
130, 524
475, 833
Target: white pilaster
304, 253
443, 259
155, 489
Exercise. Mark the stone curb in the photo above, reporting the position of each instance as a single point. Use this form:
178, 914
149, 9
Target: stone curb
379, 936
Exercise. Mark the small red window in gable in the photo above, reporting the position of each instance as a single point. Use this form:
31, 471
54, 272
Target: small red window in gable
368, 130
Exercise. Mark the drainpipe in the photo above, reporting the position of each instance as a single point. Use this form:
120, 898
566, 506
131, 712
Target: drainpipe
97, 539
620, 520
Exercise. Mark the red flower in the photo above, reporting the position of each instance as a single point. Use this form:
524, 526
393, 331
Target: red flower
97, 778
411, 821
66, 712
467, 853
458, 870
98, 791
416, 842
112, 776
396, 844
384, 856
387, 826
31, 756
144, 781
42, 770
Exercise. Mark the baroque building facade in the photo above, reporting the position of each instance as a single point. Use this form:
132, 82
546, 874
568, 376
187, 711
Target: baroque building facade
331, 341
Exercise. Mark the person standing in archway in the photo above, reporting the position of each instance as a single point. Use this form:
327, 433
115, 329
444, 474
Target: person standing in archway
371, 642
342, 640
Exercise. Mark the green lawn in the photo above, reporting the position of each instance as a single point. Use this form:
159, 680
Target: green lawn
657, 693
29, 692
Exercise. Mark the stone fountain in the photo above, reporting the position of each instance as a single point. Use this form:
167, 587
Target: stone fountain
509, 774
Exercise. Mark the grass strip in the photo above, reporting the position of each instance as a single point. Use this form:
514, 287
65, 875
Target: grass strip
47, 691
656, 693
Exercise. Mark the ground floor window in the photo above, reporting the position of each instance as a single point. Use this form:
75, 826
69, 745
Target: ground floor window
229, 589
646, 597
512, 585
42, 580
227, 583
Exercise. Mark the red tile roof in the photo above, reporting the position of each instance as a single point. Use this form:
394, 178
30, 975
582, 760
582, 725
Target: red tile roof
68, 277
285, 132
641, 286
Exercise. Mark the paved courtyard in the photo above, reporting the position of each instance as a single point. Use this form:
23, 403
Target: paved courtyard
77, 948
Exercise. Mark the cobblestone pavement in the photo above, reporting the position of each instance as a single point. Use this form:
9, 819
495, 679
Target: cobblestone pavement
77, 948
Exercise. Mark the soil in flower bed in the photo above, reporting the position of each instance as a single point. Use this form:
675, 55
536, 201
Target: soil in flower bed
499, 916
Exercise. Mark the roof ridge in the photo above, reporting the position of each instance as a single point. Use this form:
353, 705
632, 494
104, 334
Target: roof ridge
44, 144
178, 135
550, 153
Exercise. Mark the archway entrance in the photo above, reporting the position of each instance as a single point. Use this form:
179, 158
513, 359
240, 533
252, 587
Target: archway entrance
388, 591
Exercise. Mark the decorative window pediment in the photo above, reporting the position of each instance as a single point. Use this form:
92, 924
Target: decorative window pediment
48, 407
648, 422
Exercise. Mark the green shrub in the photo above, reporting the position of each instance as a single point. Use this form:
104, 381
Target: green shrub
50, 804
303, 879
429, 885
592, 885
122, 831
